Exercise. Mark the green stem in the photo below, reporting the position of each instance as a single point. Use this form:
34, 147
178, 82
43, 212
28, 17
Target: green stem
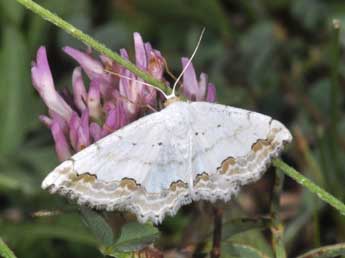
5, 251
312, 187
277, 227
69, 28
333, 136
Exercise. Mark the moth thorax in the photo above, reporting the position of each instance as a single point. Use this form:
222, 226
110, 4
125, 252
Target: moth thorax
171, 100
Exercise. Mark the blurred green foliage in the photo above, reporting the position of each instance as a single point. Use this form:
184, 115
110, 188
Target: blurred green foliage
274, 57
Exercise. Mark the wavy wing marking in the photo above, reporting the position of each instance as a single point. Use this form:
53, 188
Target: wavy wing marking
188, 151
142, 168
231, 148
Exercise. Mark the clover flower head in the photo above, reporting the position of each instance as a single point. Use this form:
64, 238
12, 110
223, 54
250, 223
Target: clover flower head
110, 97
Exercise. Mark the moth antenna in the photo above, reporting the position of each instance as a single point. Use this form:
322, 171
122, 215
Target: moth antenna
134, 80
188, 64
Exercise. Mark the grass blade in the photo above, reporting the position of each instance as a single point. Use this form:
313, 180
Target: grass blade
5, 251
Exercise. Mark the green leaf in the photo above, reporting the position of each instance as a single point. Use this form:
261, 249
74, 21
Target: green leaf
41, 158
230, 249
15, 90
8, 182
5, 252
99, 227
37, 237
325, 251
32, 233
309, 206
258, 47
14, 177
134, 236
314, 17
240, 225
11, 11
254, 238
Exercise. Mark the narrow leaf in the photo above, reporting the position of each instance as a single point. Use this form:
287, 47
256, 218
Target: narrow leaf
230, 249
8, 183
5, 251
240, 225
33, 233
325, 251
99, 227
11, 11
15, 99
134, 236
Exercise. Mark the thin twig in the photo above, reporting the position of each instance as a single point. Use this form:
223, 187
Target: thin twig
277, 227
78, 34
217, 232
312, 187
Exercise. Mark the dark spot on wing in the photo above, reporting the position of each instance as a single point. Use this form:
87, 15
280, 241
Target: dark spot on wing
97, 146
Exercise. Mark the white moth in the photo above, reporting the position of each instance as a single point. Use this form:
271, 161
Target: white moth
188, 151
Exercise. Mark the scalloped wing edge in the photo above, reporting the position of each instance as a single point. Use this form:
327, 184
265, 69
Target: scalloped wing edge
126, 195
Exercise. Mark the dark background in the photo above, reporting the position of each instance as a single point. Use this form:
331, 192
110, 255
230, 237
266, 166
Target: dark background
274, 57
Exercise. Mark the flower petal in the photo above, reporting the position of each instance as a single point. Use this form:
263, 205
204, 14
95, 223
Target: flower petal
61, 145
95, 131
46, 120
91, 66
148, 96
156, 65
202, 89
83, 131
79, 91
211, 93
140, 53
43, 82
94, 100
130, 91
190, 82
41, 74
116, 119
74, 125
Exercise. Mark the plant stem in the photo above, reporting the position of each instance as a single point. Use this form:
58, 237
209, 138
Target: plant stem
69, 28
335, 74
312, 187
333, 136
5, 251
277, 227
217, 232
